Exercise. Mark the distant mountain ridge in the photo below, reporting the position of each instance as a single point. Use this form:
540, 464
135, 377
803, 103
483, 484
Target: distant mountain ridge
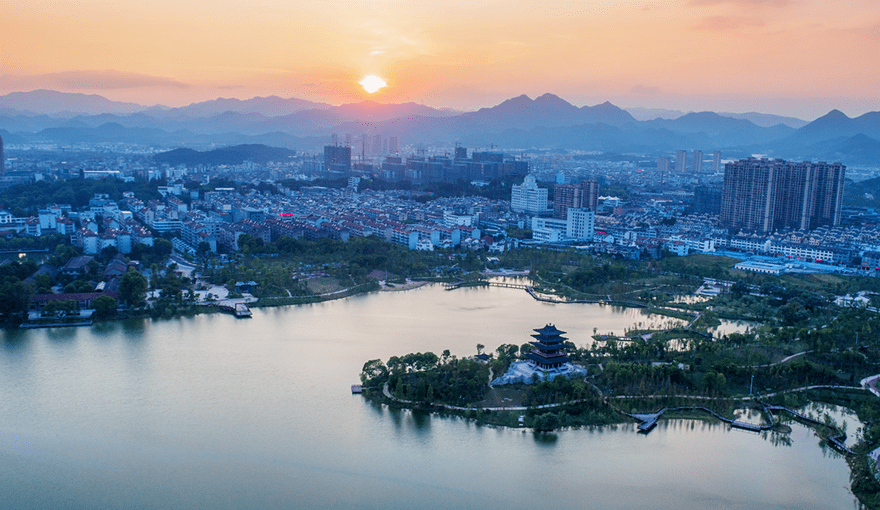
518, 123
52, 102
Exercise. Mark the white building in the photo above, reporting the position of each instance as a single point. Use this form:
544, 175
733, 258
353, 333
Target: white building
580, 224
528, 197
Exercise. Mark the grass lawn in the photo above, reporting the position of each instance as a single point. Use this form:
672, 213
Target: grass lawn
324, 284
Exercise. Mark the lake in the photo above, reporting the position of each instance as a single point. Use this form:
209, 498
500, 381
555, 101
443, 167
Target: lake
214, 412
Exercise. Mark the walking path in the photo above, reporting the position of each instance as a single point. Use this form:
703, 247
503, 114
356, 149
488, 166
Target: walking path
783, 360
758, 397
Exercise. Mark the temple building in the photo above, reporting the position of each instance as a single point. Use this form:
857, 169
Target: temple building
545, 362
549, 351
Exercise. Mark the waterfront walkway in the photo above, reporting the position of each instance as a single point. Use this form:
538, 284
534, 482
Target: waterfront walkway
757, 398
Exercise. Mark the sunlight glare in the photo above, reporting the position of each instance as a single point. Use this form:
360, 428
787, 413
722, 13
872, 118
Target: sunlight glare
372, 83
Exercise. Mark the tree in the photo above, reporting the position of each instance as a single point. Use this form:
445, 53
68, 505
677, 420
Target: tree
60, 309
15, 297
480, 348
133, 288
104, 306
546, 422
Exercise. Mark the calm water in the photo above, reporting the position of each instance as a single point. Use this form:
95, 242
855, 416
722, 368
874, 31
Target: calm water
214, 412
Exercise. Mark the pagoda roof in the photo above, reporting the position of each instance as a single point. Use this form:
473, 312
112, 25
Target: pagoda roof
536, 356
549, 339
548, 347
549, 330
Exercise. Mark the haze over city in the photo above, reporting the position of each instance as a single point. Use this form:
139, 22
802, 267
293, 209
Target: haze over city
397, 254
788, 57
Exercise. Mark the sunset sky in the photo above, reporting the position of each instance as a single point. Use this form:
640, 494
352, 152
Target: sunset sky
792, 57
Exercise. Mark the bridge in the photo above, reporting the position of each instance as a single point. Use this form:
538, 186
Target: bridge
837, 441
484, 283
649, 421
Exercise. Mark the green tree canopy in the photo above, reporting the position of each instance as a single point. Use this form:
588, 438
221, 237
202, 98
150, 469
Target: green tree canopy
133, 288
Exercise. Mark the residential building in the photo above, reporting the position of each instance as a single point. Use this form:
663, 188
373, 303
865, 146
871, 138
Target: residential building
337, 160
697, 163
681, 161
716, 162
767, 195
582, 195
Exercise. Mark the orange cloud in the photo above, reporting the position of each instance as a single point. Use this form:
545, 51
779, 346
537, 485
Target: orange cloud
85, 80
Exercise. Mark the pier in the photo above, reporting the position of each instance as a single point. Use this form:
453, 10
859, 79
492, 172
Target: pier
239, 310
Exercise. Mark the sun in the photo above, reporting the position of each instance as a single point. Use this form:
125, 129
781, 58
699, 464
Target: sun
372, 84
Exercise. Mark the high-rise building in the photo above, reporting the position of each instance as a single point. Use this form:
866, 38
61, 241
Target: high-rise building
528, 197
583, 195
2, 158
393, 145
662, 167
767, 195
376, 148
697, 164
707, 200
461, 153
681, 158
716, 162
337, 160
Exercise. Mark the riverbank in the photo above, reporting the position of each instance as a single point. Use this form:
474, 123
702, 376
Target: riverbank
80, 393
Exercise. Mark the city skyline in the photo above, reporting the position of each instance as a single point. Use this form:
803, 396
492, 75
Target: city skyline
454, 54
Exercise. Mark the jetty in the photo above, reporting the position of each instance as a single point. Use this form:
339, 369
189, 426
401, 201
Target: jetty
239, 310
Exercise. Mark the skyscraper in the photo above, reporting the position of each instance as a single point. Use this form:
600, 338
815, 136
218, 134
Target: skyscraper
583, 195
681, 158
2, 158
763, 195
337, 160
376, 148
697, 164
716, 162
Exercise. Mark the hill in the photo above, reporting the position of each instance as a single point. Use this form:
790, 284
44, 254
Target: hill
235, 155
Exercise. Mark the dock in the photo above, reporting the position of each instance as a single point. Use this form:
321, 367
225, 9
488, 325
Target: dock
239, 310
356, 389
647, 421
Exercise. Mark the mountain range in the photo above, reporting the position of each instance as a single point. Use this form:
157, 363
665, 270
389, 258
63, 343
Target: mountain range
519, 123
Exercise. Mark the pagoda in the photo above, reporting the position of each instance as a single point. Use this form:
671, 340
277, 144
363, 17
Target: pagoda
549, 351
546, 361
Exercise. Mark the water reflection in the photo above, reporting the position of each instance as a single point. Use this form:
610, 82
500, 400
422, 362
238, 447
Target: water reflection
134, 328
209, 412
733, 326
545, 439
61, 336
777, 438
421, 420
14, 340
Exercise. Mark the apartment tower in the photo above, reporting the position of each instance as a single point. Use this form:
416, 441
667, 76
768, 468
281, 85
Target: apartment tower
583, 195
762, 195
